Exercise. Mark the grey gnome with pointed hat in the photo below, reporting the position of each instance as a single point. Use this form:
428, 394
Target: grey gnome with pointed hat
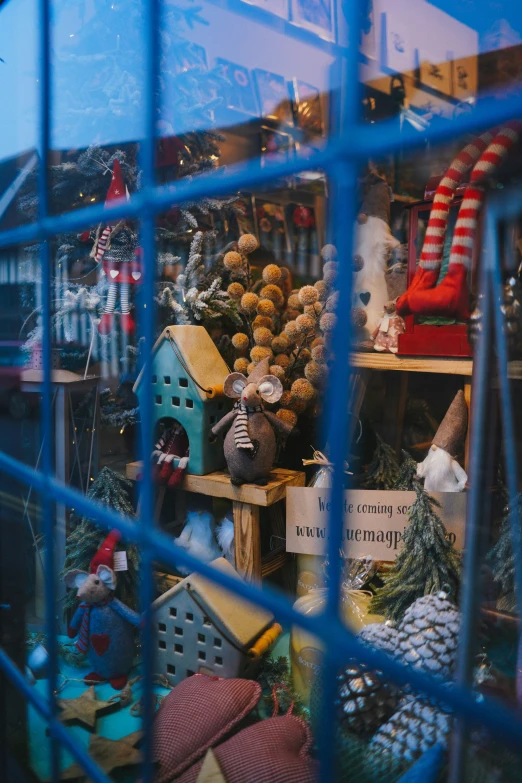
440, 470
250, 443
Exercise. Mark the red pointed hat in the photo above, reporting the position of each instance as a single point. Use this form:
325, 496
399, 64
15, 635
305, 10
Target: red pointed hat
117, 190
105, 554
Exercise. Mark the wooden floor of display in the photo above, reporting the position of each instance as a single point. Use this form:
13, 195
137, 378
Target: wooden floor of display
115, 726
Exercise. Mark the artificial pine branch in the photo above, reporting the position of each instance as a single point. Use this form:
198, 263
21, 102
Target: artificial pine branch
112, 490
426, 563
276, 671
383, 470
407, 475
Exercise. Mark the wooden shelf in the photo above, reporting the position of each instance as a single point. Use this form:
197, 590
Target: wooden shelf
217, 485
389, 361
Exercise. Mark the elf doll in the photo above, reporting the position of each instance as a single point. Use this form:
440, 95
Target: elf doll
116, 247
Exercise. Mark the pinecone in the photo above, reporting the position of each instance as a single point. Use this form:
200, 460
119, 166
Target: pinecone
416, 726
428, 635
364, 698
382, 636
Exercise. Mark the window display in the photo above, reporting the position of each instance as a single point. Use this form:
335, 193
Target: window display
259, 364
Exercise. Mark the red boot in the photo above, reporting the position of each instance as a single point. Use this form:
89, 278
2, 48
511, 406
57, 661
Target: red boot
105, 325
127, 323
118, 682
179, 474
423, 280
450, 299
165, 472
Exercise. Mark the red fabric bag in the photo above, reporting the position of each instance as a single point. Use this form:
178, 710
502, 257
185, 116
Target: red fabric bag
275, 750
195, 716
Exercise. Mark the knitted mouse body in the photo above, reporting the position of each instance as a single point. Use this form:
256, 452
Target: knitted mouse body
252, 466
104, 625
250, 443
110, 637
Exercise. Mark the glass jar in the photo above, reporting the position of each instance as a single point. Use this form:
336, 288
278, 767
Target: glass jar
306, 651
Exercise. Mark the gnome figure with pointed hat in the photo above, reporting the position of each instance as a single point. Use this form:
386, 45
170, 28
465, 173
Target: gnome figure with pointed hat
440, 470
116, 246
250, 444
104, 625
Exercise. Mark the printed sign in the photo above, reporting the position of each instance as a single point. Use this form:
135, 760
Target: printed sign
374, 521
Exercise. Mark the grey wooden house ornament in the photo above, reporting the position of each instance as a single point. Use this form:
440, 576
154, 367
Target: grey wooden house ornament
202, 628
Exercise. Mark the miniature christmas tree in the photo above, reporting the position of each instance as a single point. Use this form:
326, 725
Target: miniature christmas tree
112, 490
383, 470
407, 476
502, 561
426, 563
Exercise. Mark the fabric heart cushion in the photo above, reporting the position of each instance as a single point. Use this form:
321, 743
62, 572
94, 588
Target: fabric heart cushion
195, 716
275, 750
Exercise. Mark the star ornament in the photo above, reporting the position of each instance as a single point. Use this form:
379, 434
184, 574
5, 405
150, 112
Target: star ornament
108, 755
84, 709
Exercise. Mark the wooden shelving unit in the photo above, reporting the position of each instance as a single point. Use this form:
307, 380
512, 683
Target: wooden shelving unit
246, 501
388, 361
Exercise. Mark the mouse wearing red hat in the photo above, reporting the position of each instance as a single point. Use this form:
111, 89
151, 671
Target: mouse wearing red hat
116, 246
105, 626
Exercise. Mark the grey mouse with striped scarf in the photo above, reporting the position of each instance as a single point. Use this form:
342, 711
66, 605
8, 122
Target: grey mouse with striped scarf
250, 443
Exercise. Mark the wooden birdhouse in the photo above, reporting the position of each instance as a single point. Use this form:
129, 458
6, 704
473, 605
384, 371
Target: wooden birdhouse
203, 628
187, 376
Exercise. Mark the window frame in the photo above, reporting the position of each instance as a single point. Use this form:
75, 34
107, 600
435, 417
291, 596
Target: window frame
349, 144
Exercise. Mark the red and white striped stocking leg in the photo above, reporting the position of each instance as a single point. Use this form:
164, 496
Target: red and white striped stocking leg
127, 321
451, 297
430, 263
105, 325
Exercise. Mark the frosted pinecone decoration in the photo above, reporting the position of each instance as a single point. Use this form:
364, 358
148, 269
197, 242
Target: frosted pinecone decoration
364, 697
416, 727
382, 636
428, 635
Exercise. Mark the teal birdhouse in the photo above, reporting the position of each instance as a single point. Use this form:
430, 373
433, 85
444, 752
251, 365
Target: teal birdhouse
187, 377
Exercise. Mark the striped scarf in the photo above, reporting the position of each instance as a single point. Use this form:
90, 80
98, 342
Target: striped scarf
83, 637
241, 436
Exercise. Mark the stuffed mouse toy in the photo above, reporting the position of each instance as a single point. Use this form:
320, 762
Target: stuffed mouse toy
250, 444
105, 626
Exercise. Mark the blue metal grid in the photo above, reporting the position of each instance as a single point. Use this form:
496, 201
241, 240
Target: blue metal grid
340, 158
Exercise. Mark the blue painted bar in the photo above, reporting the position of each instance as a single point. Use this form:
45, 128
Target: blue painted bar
146, 327
46, 415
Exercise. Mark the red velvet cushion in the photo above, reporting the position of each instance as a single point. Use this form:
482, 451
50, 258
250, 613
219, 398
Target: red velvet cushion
275, 750
196, 714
